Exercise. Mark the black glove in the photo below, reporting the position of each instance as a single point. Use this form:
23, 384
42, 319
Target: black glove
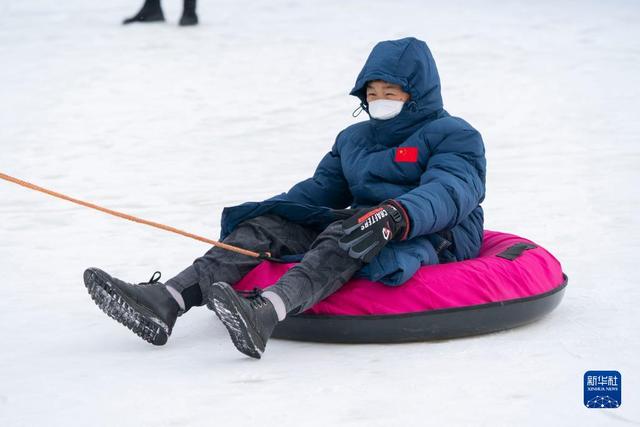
366, 232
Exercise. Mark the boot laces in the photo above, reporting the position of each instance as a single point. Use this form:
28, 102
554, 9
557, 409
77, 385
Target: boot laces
155, 277
254, 297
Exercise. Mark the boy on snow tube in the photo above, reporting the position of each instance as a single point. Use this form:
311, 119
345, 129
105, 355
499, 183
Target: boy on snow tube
400, 190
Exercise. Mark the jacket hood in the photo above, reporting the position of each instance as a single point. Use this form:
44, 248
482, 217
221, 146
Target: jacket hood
407, 62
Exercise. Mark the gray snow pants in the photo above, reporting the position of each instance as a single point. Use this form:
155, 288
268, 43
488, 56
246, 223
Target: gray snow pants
323, 270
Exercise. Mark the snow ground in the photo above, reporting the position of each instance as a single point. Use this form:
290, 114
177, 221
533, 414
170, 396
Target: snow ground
172, 124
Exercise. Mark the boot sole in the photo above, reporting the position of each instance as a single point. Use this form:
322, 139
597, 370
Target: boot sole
119, 307
222, 301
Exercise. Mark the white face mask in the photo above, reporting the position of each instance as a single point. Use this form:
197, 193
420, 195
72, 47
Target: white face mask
384, 109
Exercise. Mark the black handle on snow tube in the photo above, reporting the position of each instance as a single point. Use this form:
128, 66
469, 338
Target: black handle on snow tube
514, 251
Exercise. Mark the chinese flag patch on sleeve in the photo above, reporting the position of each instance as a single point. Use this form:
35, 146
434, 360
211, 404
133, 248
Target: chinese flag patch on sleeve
406, 154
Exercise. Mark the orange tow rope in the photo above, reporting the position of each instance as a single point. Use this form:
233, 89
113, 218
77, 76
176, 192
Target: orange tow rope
265, 255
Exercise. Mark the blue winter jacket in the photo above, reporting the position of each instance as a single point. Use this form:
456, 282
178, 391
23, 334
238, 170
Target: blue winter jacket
441, 191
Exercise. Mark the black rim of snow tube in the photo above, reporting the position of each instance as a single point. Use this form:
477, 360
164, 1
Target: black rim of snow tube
421, 326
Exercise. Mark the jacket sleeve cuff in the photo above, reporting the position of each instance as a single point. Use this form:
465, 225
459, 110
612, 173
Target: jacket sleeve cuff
405, 216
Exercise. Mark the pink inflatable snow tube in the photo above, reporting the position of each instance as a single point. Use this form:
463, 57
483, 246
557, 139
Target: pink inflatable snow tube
509, 270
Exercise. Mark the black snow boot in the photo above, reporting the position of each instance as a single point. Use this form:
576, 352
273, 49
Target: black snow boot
147, 309
151, 12
249, 317
189, 16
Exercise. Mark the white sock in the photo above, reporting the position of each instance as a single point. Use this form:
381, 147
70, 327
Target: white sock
278, 304
176, 296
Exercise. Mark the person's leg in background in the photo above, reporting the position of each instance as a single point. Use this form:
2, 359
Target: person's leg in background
251, 321
151, 11
189, 16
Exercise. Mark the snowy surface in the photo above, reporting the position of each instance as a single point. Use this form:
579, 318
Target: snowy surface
173, 124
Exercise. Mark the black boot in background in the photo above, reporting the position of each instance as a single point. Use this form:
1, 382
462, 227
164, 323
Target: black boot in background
151, 12
189, 16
